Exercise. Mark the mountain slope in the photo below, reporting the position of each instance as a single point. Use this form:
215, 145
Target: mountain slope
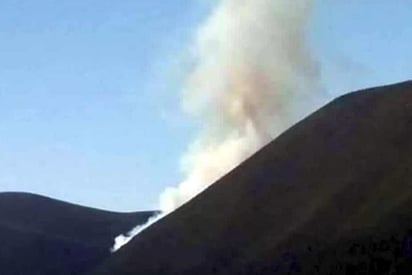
40, 235
332, 195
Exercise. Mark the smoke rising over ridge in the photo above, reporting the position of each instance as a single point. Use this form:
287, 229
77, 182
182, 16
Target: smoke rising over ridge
253, 76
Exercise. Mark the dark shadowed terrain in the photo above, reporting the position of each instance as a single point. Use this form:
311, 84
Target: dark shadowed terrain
332, 195
42, 236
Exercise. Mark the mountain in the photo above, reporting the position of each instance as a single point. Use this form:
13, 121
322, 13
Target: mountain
331, 195
42, 236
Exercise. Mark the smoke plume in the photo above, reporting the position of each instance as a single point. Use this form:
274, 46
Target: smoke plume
253, 76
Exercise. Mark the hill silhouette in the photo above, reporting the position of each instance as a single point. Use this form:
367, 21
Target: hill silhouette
44, 236
331, 195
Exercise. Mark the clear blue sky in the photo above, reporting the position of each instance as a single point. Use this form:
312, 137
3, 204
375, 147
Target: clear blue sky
89, 90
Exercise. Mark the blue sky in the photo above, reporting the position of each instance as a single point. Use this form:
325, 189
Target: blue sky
89, 90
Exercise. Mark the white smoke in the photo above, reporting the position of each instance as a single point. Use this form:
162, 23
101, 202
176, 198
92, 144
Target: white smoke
252, 78
121, 240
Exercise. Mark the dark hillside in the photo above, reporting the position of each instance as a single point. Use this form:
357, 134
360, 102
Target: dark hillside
43, 236
332, 195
